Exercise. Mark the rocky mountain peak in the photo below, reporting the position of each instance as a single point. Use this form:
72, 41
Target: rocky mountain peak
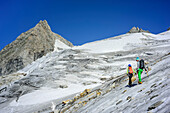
137, 30
28, 47
44, 25
168, 29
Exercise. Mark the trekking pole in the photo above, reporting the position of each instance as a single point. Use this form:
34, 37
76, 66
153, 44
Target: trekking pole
147, 71
136, 76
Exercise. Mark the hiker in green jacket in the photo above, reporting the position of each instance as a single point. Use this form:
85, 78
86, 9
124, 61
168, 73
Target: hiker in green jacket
140, 67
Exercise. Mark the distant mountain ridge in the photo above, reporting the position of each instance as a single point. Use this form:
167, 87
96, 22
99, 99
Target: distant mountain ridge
28, 47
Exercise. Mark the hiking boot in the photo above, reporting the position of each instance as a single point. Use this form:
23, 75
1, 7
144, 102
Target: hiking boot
130, 85
139, 82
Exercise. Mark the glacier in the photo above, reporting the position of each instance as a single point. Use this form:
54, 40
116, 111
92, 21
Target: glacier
68, 71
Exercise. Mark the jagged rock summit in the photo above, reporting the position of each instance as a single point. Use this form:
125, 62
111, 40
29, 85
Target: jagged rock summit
28, 47
137, 30
168, 29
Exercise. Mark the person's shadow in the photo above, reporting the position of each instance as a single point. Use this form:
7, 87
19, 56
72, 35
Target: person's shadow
131, 85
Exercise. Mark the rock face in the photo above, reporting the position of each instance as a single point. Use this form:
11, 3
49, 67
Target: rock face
28, 47
137, 30
168, 29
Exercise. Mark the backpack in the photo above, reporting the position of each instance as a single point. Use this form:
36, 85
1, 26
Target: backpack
130, 70
141, 64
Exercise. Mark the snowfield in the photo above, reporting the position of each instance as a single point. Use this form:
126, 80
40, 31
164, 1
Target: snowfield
121, 43
47, 94
99, 66
59, 44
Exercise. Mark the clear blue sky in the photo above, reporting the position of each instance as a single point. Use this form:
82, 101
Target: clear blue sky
81, 21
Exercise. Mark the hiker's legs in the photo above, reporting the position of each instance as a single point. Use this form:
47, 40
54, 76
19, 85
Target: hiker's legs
139, 74
130, 81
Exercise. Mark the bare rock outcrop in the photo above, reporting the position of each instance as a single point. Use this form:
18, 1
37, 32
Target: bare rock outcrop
137, 30
168, 29
28, 47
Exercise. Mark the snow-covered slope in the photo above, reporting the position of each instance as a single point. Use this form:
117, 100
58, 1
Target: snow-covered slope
60, 45
119, 43
152, 96
67, 71
164, 36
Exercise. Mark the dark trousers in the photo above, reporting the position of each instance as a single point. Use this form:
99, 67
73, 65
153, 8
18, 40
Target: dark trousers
130, 76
